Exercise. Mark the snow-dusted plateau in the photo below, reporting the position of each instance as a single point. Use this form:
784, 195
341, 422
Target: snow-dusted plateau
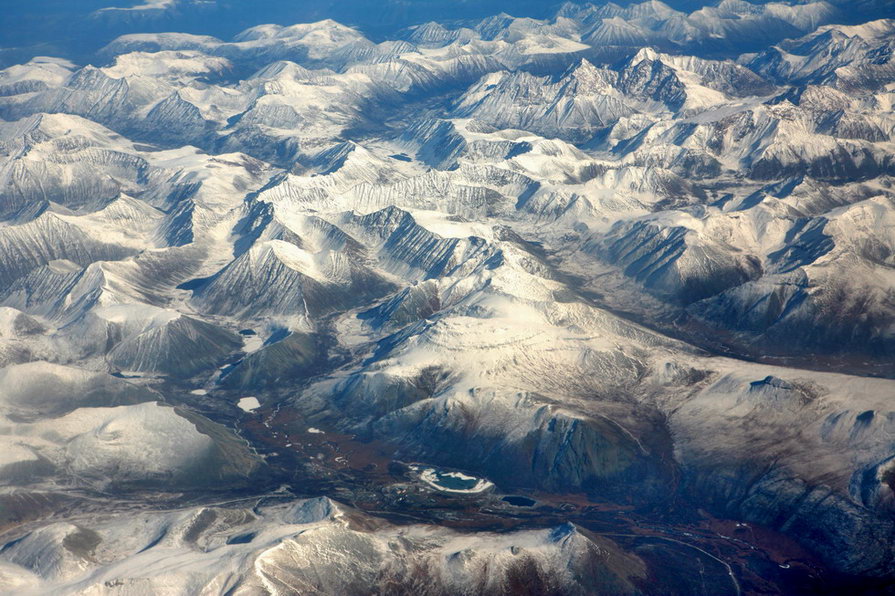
599, 302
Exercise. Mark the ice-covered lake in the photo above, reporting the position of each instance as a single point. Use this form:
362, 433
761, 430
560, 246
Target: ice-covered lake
455, 482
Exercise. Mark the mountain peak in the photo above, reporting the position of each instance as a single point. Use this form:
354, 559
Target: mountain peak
645, 53
588, 78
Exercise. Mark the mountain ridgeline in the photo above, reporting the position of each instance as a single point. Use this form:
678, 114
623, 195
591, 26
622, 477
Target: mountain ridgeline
598, 300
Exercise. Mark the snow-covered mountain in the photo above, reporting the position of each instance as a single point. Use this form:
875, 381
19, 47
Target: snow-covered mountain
594, 303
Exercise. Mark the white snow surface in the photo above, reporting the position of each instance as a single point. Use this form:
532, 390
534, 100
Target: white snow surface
248, 404
474, 264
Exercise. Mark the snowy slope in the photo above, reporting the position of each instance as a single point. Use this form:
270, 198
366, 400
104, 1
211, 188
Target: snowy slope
584, 257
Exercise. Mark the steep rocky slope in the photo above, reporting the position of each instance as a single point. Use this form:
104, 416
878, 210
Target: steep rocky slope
604, 260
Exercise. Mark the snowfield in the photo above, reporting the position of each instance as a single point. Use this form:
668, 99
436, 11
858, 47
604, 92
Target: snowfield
572, 256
